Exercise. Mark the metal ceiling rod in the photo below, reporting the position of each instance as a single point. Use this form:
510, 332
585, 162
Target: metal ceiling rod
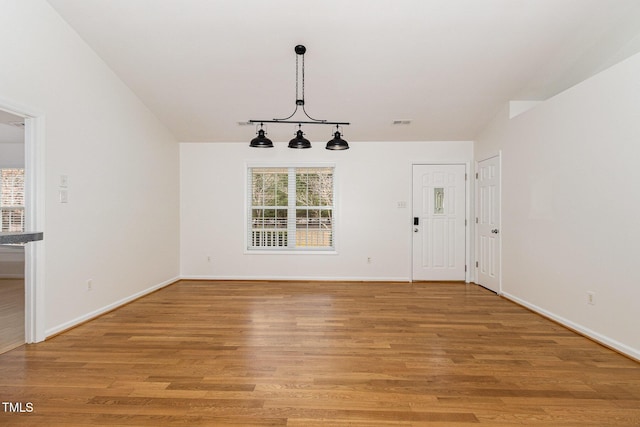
300, 51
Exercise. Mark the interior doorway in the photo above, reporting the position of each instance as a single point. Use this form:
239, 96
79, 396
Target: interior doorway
12, 219
32, 124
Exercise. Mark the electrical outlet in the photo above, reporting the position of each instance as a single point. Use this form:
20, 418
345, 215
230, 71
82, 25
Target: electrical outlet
591, 298
208, 258
368, 260
89, 284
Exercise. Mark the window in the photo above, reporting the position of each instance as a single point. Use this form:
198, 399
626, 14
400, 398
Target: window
12, 200
291, 208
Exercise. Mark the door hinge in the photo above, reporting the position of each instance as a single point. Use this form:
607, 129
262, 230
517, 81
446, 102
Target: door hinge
465, 222
465, 268
476, 220
465, 176
476, 175
476, 264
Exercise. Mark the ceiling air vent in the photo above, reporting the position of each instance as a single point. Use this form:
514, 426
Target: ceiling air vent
402, 122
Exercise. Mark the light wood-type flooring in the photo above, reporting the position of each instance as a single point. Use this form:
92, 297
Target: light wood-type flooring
11, 314
201, 353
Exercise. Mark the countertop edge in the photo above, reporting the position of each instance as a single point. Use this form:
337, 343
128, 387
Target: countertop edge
25, 237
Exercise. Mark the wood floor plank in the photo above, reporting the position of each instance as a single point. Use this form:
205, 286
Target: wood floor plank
11, 314
216, 353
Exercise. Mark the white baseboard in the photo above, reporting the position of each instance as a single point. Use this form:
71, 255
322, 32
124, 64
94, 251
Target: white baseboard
77, 321
301, 278
604, 340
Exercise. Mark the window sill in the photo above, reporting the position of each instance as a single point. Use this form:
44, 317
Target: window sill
288, 252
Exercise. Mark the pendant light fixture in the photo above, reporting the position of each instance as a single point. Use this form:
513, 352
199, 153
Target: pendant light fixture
299, 141
337, 143
261, 141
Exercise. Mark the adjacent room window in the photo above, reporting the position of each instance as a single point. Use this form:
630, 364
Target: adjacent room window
12, 199
291, 208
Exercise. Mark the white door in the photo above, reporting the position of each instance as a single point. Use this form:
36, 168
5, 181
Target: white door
488, 224
439, 235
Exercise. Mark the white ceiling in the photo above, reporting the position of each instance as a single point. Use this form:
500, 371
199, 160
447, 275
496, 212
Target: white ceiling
202, 66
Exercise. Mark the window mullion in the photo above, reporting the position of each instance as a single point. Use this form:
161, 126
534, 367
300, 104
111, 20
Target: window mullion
291, 209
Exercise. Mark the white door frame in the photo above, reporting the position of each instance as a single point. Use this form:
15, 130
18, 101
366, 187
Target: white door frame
34, 218
467, 214
477, 215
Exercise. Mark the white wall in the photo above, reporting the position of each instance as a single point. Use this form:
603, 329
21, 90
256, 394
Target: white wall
120, 227
571, 180
372, 177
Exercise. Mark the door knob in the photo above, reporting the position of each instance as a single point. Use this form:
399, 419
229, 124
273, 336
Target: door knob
415, 230
494, 231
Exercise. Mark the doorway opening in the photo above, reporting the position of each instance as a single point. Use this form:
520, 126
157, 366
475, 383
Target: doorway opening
26, 261
12, 214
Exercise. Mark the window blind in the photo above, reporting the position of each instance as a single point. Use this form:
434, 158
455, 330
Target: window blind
12, 200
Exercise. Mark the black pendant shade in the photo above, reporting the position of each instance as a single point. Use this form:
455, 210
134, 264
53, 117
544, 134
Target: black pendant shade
261, 141
299, 141
337, 143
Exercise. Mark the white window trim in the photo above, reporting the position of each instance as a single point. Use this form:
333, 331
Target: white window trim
336, 209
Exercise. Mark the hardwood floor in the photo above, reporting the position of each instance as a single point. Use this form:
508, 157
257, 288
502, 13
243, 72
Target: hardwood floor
320, 354
11, 314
